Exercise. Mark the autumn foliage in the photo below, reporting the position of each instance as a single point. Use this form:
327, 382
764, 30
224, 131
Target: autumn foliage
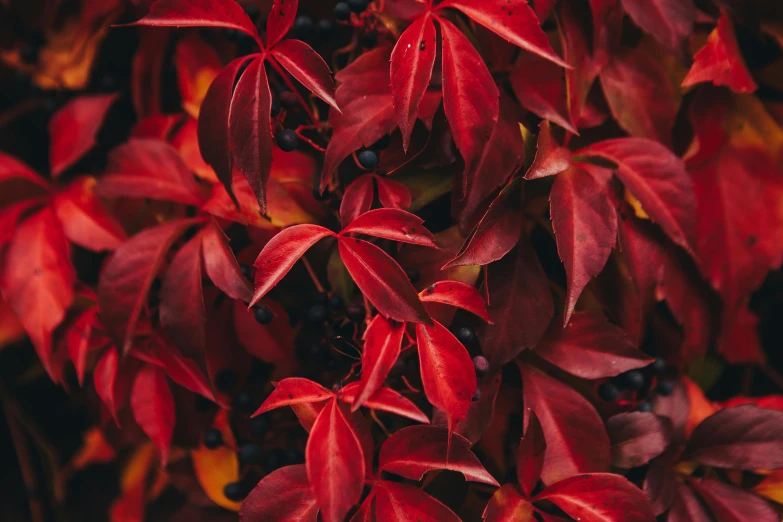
394, 260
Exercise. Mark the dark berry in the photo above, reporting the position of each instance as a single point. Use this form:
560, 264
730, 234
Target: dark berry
213, 438
383, 143
287, 140
369, 39
465, 335
481, 364
317, 314
658, 365
226, 379
476, 396
274, 460
303, 27
251, 454
643, 406
354, 312
245, 402
259, 426
263, 315
342, 11
413, 274
325, 29
336, 302
632, 380
293, 456
245, 271
289, 100
608, 392
665, 388
234, 491
276, 107
357, 6
253, 11
368, 159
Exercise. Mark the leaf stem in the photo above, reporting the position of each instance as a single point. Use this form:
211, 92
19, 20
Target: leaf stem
311, 272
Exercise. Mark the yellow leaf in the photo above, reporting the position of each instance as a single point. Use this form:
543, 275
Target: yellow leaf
772, 487
701, 408
216, 468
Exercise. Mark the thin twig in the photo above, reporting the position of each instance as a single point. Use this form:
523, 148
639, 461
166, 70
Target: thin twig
37, 512
310, 271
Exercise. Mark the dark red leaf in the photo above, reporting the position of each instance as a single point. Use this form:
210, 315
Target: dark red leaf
280, 20
559, 408
513, 20
599, 497
144, 168
393, 224
281, 253
720, 61
249, 131
292, 391
307, 67
637, 438
590, 347
335, 463
585, 225
79, 340
12, 168
182, 299
507, 505
540, 86
668, 21
106, 380
282, 496
458, 294
550, 158
480, 414
180, 369
470, 96
658, 180
382, 281
127, 276
686, 506
411, 69
530, 456
660, 483
731, 504
411, 452
84, 219
73, 129
447, 371
382, 343
385, 399
272, 343
153, 407
393, 194
743, 437
199, 13
221, 266
357, 199
395, 502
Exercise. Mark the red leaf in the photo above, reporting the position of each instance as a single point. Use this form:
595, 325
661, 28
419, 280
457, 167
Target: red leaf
180, 369
393, 224
668, 21
272, 343
411, 69
11, 214
280, 20
144, 168
686, 507
507, 505
637, 438
79, 340
458, 294
12, 168
307, 67
660, 483
513, 20
73, 129
521, 305
585, 225
599, 497
382, 281
540, 86
382, 342
497, 233
213, 123
282, 496
470, 96
153, 408
550, 158
411, 452
396, 502
249, 131
740, 343
37, 280
357, 199
558, 407
590, 347
447, 371
480, 414
731, 504
530, 456
720, 61
292, 391
182, 299
106, 381
658, 180
335, 463
199, 13
393, 194
743, 437
281, 253
385, 399
84, 219
127, 276
221, 266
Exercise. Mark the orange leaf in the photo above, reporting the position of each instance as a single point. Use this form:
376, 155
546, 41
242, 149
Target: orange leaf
216, 468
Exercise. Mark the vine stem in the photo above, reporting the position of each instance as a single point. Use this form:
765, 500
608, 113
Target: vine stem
311, 272
29, 477
293, 88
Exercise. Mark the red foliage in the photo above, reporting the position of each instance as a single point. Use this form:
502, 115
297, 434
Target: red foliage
514, 236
